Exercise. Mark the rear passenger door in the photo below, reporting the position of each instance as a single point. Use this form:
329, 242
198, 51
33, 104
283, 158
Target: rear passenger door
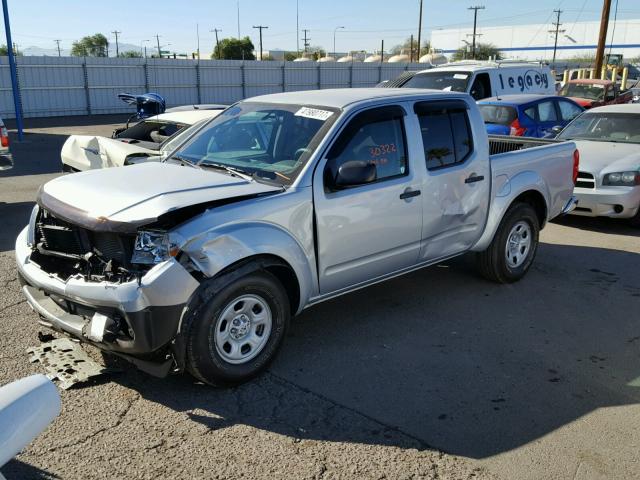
457, 185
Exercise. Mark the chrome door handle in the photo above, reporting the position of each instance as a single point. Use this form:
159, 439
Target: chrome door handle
409, 194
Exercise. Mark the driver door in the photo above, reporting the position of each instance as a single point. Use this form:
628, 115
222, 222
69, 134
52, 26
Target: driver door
371, 229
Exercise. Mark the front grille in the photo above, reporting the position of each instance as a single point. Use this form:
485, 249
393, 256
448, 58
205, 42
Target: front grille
585, 180
66, 249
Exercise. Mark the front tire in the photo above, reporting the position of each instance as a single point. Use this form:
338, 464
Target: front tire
514, 246
635, 220
236, 329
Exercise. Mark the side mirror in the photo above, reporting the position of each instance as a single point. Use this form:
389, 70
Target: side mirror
355, 172
557, 129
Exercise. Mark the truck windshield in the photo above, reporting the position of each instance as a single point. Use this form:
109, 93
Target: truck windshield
440, 80
266, 140
604, 127
583, 90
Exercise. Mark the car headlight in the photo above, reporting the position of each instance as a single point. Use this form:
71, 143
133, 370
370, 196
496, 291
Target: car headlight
153, 247
622, 179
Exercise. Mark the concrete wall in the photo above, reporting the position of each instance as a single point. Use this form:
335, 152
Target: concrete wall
54, 86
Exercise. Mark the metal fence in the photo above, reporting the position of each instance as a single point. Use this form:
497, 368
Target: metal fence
55, 86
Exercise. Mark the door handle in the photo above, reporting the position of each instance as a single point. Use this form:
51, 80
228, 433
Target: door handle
474, 178
409, 194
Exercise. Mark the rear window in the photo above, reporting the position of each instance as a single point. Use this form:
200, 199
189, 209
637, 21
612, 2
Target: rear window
498, 114
452, 81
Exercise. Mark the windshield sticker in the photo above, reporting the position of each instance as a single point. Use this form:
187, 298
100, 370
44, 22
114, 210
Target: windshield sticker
460, 76
597, 85
314, 113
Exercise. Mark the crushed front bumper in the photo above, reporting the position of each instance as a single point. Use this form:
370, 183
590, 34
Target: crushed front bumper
615, 202
151, 308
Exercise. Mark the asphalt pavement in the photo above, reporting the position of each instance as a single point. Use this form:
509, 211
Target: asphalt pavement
437, 374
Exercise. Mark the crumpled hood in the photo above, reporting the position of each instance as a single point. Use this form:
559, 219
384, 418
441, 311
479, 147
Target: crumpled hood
86, 152
139, 194
605, 157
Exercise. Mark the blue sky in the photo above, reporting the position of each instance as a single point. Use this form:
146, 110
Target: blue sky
366, 22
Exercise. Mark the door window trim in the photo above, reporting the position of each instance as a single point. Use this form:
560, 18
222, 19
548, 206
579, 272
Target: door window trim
447, 105
329, 189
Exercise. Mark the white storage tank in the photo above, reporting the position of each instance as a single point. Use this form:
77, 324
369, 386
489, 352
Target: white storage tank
433, 59
402, 58
346, 58
326, 59
372, 58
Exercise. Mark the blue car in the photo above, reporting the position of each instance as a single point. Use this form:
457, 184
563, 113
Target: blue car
527, 115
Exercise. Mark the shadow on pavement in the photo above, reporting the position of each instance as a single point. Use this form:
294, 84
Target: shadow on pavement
14, 217
16, 469
37, 154
443, 359
609, 226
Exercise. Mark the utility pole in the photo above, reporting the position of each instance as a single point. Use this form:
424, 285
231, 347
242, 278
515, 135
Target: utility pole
382, 52
298, 30
116, 32
306, 40
260, 27
556, 31
419, 29
58, 43
475, 24
158, 43
216, 30
411, 49
602, 38
238, 4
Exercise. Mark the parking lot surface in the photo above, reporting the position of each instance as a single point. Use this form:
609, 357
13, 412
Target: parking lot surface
437, 374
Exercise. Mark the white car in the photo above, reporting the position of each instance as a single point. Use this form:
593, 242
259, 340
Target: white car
147, 138
6, 160
608, 139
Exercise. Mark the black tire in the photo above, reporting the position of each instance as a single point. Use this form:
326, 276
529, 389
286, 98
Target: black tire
492, 263
203, 358
635, 220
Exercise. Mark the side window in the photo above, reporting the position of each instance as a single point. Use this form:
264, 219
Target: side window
531, 113
374, 137
547, 112
481, 87
446, 133
568, 110
610, 95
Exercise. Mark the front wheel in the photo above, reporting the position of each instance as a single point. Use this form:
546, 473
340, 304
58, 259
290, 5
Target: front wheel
237, 329
635, 220
514, 246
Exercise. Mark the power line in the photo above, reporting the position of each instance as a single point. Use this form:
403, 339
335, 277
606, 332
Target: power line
306, 40
474, 34
116, 32
556, 31
260, 27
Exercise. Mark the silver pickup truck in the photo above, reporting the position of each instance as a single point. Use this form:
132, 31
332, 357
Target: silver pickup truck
281, 202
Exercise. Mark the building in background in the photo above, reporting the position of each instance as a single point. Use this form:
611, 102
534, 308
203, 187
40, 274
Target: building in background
534, 42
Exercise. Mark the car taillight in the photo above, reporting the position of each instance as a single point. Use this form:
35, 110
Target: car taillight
516, 130
4, 137
576, 164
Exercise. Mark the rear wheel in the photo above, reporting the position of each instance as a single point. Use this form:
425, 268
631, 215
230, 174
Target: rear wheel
236, 330
514, 246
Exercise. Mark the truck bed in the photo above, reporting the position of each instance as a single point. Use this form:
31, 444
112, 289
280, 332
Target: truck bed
503, 143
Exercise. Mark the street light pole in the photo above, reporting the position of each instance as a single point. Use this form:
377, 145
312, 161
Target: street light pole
17, 104
334, 41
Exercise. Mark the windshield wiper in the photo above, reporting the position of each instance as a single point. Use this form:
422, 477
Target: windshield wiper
183, 160
232, 171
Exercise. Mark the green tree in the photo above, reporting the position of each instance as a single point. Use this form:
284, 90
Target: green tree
267, 58
316, 52
90, 46
484, 51
290, 56
130, 54
234, 49
4, 51
405, 47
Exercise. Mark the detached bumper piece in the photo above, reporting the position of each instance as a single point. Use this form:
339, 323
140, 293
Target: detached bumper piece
65, 360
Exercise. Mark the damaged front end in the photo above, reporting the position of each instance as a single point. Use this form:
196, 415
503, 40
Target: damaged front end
121, 291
